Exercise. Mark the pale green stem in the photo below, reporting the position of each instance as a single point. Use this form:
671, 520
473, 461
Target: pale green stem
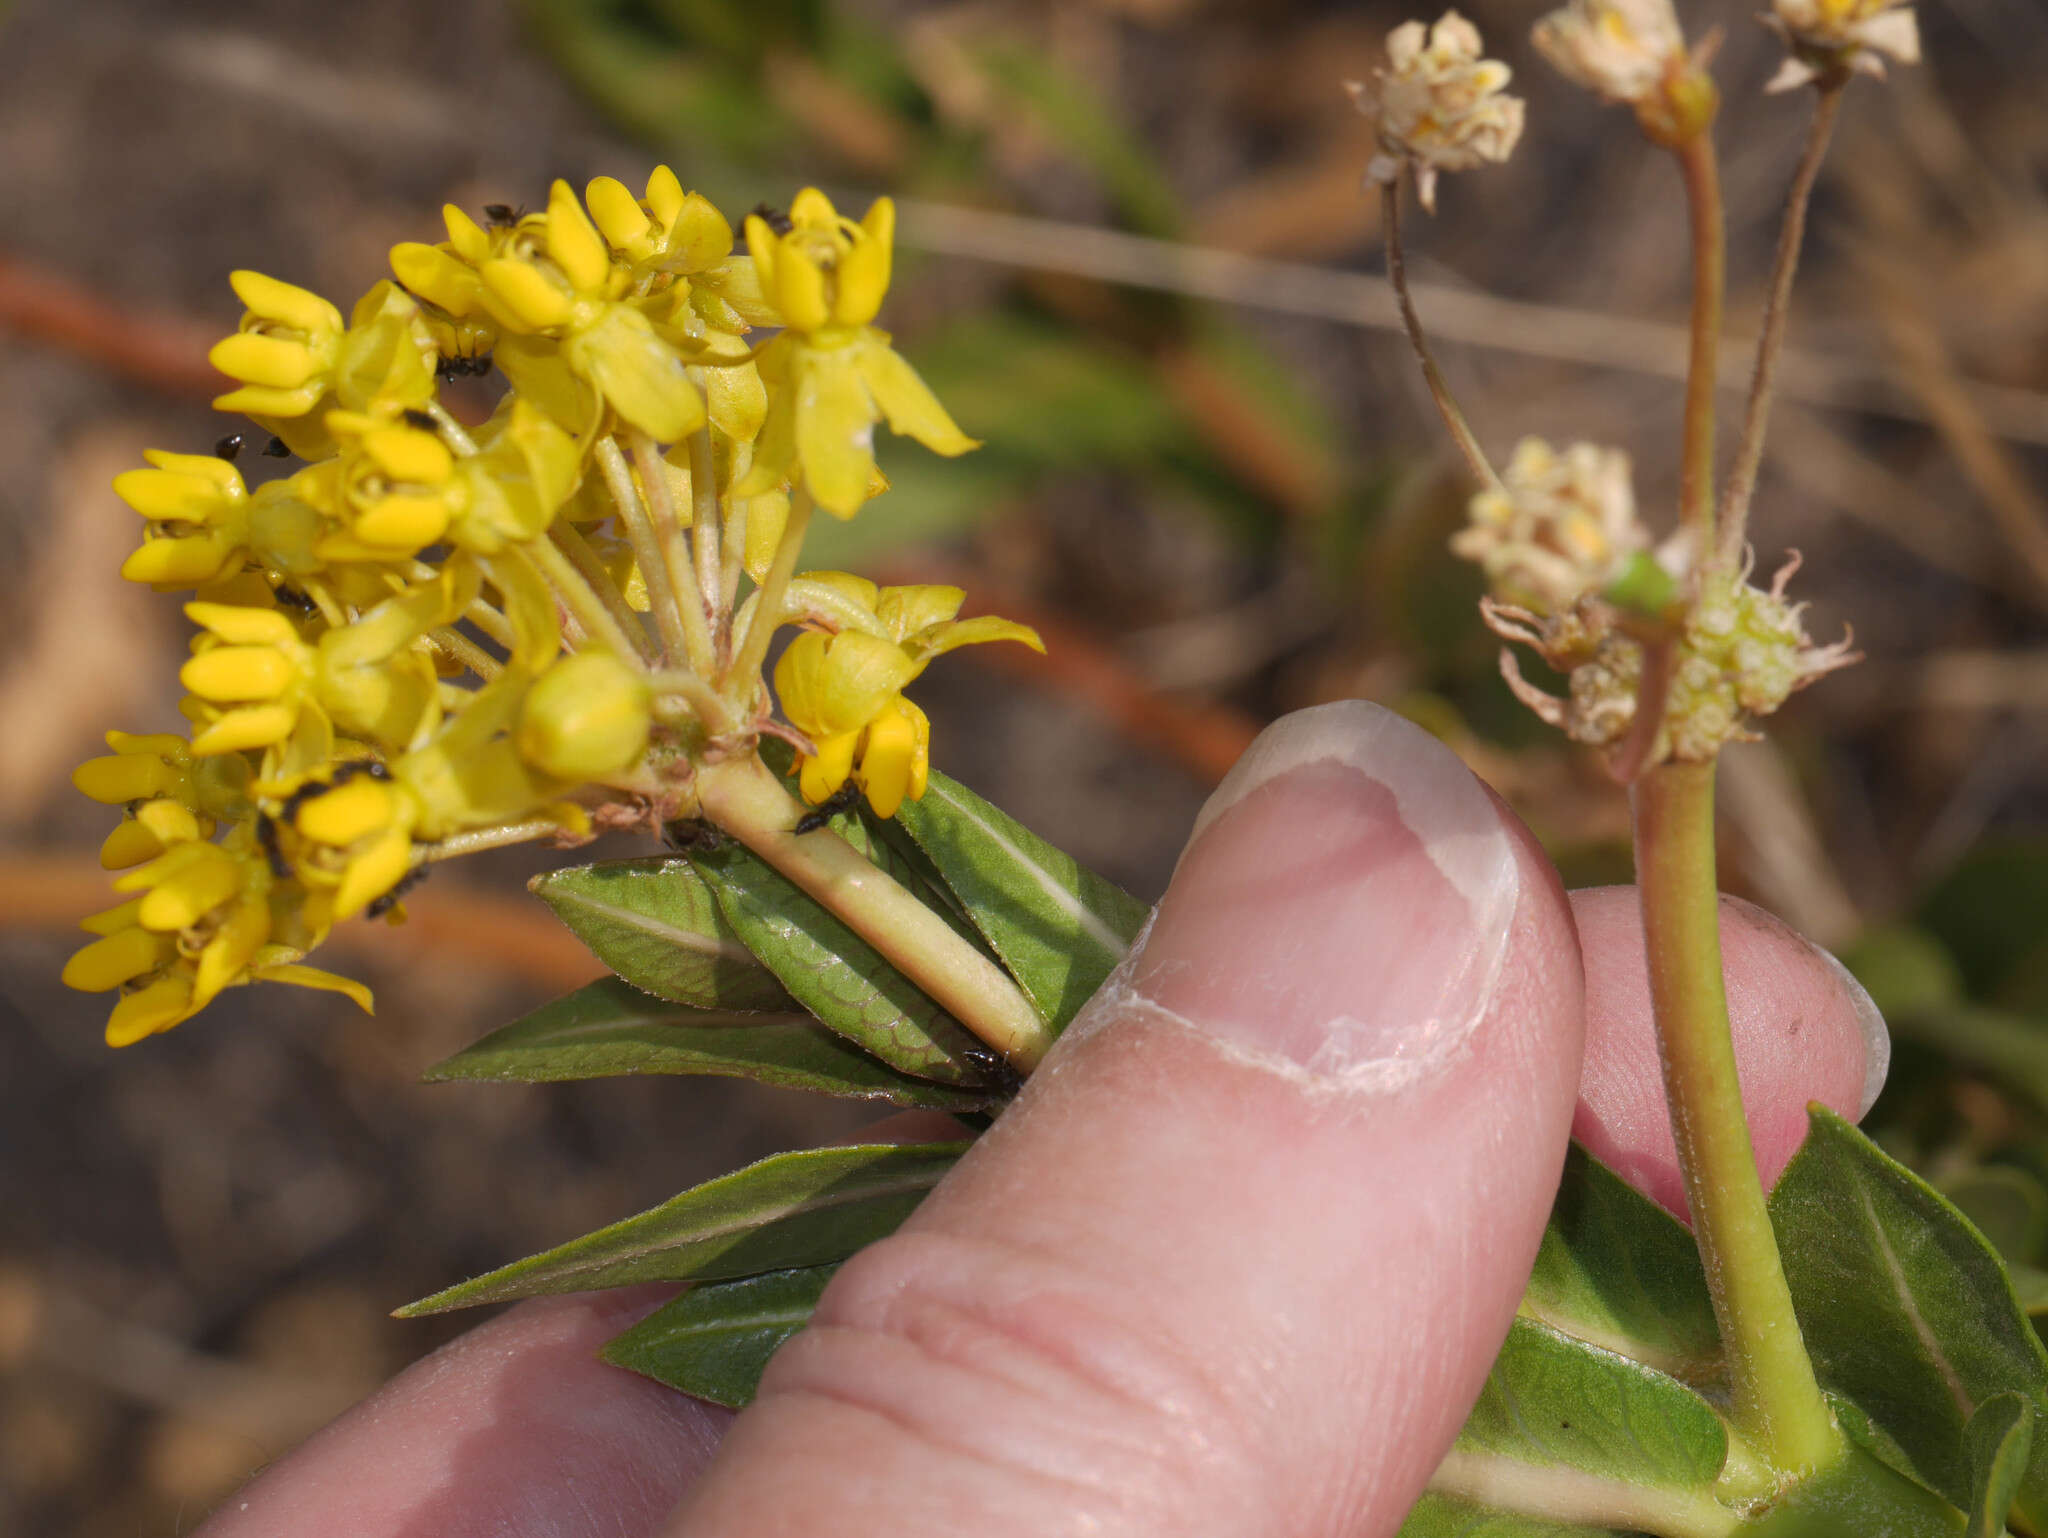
1439, 390
767, 603
1749, 454
732, 563
661, 596
1702, 169
675, 554
577, 549
1777, 1404
577, 596
466, 652
458, 844
452, 432
704, 532
703, 700
491, 621
743, 797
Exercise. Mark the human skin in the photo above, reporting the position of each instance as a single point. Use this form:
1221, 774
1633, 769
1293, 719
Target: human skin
1235, 1263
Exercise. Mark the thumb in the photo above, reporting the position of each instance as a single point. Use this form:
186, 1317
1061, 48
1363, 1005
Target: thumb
1238, 1259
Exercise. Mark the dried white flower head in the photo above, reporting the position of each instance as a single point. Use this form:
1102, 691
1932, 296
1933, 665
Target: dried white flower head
1438, 105
1744, 652
1825, 34
1559, 526
1622, 50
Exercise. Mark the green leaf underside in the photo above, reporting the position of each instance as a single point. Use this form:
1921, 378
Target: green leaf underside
715, 1340
1617, 1270
610, 1028
1905, 1308
2001, 1439
1059, 928
1444, 1516
807, 1208
655, 923
838, 976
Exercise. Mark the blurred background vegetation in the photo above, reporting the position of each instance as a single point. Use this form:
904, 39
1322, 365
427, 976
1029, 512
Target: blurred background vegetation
1136, 261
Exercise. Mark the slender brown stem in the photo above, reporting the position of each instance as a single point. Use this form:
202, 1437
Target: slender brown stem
1439, 391
1749, 455
1777, 1402
1696, 158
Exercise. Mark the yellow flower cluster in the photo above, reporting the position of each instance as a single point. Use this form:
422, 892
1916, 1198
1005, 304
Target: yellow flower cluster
518, 611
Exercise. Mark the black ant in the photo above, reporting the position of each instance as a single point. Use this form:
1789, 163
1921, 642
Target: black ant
266, 835
692, 835
774, 218
995, 1070
227, 448
382, 905
343, 773
291, 597
502, 216
420, 419
275, 449
460, 367
844, 799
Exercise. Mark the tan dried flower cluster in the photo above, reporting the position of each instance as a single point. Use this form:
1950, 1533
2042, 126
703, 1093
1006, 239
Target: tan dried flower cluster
1438, 105
1621, 50
1836, 34
1558, 526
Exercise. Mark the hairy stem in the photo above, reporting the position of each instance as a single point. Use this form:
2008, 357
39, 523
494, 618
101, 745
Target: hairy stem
674, 545
1702, 169
704, 531
585, 560
1440, 392
742, 796
1749, 454
1777, 1403
578, 597
767, 603
465, 651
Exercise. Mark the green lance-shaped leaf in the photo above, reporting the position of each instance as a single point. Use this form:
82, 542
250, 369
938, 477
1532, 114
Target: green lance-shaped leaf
838, 976
655, 923
796, 1209
1059, 928
2001, 1440
609, 1028
1907, 1311
715, 1340
1617, 1270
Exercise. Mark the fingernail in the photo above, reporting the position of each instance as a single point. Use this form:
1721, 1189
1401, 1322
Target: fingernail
1342, 908
1877, 1036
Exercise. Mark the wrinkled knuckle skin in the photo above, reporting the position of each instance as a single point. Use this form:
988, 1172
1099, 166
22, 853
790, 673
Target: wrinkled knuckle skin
1080, 1413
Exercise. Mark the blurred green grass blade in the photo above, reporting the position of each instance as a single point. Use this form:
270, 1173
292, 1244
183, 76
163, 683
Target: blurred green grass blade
807, 1208
715, 1340
839, 977
609, 1028
655, 923
1058, 927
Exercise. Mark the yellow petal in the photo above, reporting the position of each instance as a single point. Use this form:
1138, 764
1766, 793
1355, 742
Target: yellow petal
275, 362
114, 959
149, 1010
767, 517
907, 401
917, 606
228, 953
921, 763
664, 195
979, 631
409, 454
813, 207
864, 270
374, 872
403, 522
822, 774
736, 400
253, 726
164, 493
639, 374
698, 236
112, 920
238, 673
856, 590
573, 242
263, 402
244, 626
353, 809
798, 291
842, 684
129, 844
436, 277
886, 760
116, 778
471, 241
524, 297
181, 562
326, 982
835, 430
616, 211
190, 891
204, 467
274, 299
762, 246
170, 822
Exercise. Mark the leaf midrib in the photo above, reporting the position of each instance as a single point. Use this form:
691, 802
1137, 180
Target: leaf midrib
660, 929
1090, 923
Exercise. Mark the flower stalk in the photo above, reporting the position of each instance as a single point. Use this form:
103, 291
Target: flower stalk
1701, 168
1439, 390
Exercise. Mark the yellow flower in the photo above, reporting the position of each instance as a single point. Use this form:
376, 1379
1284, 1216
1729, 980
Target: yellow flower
1827, 35
172, 795
825, 272
351, 842
844, 691
1438, 106
283, 352
198, 512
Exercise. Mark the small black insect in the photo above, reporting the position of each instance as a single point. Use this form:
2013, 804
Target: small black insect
844, 799
689, 834
292, 598
502, 215
343, 773
382, 905
419, 419
266, 835
774, 217
227, 448
275, 449
995, 1070
459, 366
